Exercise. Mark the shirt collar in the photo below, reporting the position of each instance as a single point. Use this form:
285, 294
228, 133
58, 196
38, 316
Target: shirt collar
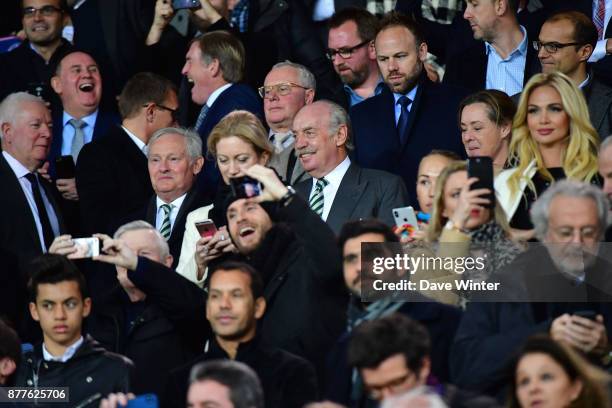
521, 49
411, 94
380, 85
139, 143
19, 169
585, 82
213, 96
335, 176
68, 354
89, 119
175, 204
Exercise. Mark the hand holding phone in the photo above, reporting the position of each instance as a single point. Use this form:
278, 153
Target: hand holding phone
482, 169
185, 4
245, 187
64, 167
85, 248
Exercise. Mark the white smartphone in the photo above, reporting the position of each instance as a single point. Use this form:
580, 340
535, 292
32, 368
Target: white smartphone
405, 215
85, 248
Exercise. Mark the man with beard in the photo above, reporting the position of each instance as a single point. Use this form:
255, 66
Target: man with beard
565, 279
412, 116
351, 50
234, 306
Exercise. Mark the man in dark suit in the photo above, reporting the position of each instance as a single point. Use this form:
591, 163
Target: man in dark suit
340, 190
215, 65
573, 27
111, 174
505, 61
78, 83
175, 159
412, 115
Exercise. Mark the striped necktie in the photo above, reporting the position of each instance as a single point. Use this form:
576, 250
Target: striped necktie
316, 199
201, 117
599, 15
166, 229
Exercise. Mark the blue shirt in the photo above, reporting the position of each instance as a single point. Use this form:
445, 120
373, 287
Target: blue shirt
68, 131
398, 108
507, 74
355, 98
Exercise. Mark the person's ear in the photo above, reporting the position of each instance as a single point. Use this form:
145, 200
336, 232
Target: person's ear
150, 112
585, 52
424, 371
86, 306
168, 261
214, 68
34, 311
506, 130
309, 97
422, 51
260, 307
372, 50
56, 84
576, 389
341, 136
198, 164
264, 158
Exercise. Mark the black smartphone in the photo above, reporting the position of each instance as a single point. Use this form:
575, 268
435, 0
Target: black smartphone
245, 187
64, 167
587, 314
482, 168
185, 4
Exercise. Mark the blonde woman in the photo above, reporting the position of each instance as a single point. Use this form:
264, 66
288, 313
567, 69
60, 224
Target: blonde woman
237, 142
552, 138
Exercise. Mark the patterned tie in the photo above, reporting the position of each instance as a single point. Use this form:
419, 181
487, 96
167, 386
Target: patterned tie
48, 234
599, 15
165, 229
79, 137
201, 117
402, 123
316, 199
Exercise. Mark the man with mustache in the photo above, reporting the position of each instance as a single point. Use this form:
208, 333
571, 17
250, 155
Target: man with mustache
412, 116
340, 190
350, 43
234, 306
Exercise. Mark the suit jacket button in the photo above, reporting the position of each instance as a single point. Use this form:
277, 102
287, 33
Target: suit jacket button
89, 379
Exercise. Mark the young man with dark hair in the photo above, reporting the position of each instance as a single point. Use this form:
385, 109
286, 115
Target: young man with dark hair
234, 306
59, 302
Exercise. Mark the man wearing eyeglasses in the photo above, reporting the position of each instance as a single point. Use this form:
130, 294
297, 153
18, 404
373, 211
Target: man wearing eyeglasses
351, 50
29, 66
565, 44
111, 174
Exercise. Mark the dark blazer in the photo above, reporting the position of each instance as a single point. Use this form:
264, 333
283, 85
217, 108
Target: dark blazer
469, 69
193, 201
237, 96
363, 193
432, 125
112, 180
599, 101
104, 122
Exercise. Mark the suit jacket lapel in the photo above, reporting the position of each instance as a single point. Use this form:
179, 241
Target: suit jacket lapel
182, 213
151, 214
594, 97
50, 193
346, 198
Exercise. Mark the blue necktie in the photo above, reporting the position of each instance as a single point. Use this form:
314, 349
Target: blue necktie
402, 123
201, 117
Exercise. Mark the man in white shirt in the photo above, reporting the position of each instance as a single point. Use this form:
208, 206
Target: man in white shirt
340, 190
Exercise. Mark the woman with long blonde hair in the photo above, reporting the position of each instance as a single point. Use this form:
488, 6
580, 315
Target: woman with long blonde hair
552, 139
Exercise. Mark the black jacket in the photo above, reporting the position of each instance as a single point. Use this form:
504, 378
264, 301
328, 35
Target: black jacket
91, 374
288, 381
160, 333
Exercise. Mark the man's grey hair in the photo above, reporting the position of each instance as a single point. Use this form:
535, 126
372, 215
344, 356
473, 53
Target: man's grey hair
162, 245
607, 142
245, 389
193, 141
307, 79
540, 212
11, 106
338, 117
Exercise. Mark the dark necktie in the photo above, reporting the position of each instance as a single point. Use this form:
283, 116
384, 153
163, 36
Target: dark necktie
42, 211
402, 123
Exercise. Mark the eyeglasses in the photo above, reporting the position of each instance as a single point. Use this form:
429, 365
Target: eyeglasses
396, 385
280, 89
45, 11
173, 112
551, 47
345, 53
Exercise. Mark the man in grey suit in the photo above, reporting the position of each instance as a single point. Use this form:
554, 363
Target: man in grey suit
565, 43
340, 191
287, 88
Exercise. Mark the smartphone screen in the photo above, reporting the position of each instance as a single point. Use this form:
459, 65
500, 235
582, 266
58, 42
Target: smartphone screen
185, 4
64, 167
482, 169
245, 187
206, 228
85, 248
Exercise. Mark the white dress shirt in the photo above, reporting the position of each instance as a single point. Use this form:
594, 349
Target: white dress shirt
176, 206
217, 92
334, 178
20, 172
600, 47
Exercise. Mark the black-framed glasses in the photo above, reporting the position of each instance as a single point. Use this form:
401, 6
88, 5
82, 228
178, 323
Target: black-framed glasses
552, 47
45, 11
280, 89
173, 112
345, 53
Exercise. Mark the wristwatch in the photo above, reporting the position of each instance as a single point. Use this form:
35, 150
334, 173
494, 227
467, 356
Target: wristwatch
286, 199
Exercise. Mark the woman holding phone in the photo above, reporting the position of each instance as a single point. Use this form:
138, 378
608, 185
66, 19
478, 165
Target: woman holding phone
237, 142
552, 139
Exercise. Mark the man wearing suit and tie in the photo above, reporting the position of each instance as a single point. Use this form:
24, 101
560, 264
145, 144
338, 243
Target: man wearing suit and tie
215, 64
340, 190
412, 115
30, 218
112, 177
78, 83
174, 159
